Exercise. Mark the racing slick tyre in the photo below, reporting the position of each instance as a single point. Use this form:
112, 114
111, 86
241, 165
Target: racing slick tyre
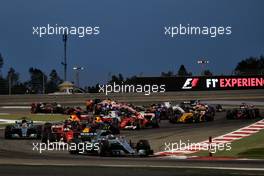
114, 130
189, 120
33, 110
219, 108
163, 115
76, 142
103, 148
209, 116
8, 134
46, 133
251, 114
115, 126
256, 110
155, 123
143, 148
39, 131
229, 114
138, 125
173, 118
196, 118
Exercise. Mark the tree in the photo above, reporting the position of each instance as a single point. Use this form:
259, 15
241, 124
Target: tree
251, 65
118, 79
131, 80
207, 73
54, 81
37, 81
261, 64
183, 72
168, 74
12, 79
19, 88
92, 89
3, 86
1, 64
12, 76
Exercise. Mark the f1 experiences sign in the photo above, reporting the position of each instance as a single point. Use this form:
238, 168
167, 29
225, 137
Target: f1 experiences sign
206, 83
219, 83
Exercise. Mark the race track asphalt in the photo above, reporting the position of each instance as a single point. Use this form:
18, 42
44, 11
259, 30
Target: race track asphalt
17, 156
19, 152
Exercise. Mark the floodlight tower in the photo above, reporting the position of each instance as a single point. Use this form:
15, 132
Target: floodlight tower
64, 39
77, 70
203, 63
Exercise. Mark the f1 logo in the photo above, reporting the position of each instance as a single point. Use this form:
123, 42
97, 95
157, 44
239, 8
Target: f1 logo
190, 83
211, 83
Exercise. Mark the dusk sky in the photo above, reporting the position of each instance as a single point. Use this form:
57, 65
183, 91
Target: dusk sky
131, 38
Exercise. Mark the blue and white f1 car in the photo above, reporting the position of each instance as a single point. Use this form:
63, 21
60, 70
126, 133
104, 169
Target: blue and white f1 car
23, 129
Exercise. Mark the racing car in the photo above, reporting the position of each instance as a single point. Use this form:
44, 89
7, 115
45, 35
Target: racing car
54, 108
60, 131
23, 129
106, 144
245, 111
46, 108
106, 123
128, 115
139, 120
91, 104
189, 105
73, 110
199, 113
180, 116
67, 130
162, 111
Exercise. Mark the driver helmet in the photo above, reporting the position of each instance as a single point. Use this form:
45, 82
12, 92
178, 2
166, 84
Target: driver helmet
98, 119
110, 136
74, 118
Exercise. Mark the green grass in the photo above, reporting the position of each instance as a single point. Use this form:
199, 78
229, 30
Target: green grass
249, 147
35, 117
3, 125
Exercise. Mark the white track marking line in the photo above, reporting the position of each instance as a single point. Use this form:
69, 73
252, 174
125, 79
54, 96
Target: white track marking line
6, 121
15, 107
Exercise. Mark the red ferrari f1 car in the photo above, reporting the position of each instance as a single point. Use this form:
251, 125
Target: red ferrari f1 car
139, 120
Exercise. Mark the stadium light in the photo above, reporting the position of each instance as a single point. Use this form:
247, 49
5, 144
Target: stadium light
77, 74
203, 62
